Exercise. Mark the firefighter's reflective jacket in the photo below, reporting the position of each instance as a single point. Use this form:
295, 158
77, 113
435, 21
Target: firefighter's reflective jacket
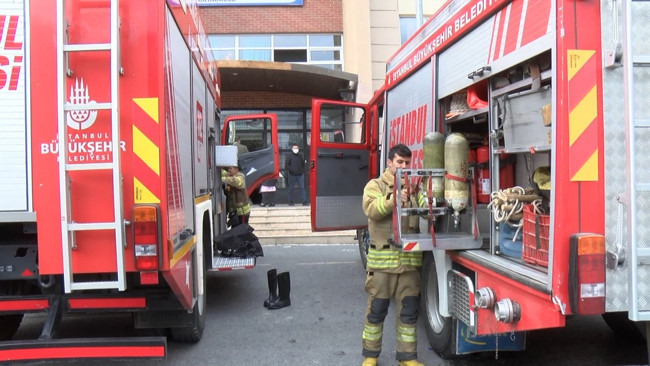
236, 198
378, 202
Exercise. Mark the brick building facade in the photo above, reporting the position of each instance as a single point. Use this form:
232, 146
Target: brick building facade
314, 16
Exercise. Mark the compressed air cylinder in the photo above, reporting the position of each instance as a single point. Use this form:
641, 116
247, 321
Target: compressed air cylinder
456, 192
433, 149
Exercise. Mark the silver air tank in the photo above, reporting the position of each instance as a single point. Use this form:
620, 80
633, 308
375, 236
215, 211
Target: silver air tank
456, 192
433, 149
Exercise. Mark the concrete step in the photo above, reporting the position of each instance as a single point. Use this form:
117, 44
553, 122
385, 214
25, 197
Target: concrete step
314, 239
299, 232
284, 224
263, 218
283, 210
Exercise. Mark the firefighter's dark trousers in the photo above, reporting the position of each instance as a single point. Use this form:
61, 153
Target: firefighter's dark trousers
405, 289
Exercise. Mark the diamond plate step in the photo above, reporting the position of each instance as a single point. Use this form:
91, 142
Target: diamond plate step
220, 263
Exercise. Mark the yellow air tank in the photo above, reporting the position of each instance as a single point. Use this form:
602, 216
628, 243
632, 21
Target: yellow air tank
456, 192
433, 149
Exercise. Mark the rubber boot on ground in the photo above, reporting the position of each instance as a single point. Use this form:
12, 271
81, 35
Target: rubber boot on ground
272, 277
284, 288
369, 361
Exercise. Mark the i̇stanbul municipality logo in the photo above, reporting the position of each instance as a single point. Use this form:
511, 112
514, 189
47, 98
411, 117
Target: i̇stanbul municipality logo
80, 120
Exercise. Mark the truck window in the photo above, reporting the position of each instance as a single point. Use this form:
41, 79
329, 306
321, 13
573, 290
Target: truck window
254, 133
342, 124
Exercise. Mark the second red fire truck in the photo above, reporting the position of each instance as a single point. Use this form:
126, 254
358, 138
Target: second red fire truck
527, 122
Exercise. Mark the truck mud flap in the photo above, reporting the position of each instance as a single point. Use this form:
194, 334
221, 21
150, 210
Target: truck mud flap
83, 348
466, 342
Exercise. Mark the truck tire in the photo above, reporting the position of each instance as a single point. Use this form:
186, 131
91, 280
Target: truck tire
363, 238
440, 330
625, 328
193, 333
10, 324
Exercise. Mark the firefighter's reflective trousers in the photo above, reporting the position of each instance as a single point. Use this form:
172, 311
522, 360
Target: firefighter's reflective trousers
405, 289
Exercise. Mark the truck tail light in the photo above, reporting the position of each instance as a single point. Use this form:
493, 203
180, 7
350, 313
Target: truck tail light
146, 237
587, 274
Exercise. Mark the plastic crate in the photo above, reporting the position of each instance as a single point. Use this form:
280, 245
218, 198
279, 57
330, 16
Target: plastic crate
535, 239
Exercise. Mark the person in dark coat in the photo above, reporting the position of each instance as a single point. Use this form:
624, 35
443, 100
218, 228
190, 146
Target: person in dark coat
295, 164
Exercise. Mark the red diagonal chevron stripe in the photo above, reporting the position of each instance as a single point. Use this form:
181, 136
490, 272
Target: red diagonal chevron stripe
146, 176
514, 23
582, 82
499, 25
409, 246
145, 124
536, 23
582, 73
583, 149
146, 159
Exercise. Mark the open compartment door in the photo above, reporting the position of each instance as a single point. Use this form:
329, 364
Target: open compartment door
338, 164
259, 134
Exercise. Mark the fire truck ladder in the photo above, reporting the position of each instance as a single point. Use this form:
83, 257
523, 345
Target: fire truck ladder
639, 254
68, 226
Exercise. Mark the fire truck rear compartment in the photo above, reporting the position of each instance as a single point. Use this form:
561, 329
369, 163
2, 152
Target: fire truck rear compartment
508, 119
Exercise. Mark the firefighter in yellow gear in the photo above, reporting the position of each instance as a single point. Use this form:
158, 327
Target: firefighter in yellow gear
236, 197
390, 272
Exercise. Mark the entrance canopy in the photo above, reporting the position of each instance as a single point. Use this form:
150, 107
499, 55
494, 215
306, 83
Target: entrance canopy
261, 76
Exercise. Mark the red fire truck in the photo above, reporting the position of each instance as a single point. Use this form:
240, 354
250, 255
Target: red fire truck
111, 195
530, 118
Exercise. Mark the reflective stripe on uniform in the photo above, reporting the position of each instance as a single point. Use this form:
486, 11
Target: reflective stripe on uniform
384, 259
372, 332
241, 211
421, 200
406, 334
380, 205
381, 259
411, 259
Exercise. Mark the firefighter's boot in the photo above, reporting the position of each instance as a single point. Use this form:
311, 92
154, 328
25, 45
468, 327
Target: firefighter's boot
272, 277
369, 361
284, 288
410, 363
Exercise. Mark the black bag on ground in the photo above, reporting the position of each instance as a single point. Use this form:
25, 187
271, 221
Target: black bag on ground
239, 242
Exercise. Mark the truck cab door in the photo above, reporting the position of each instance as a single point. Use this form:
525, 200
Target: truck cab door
339, 163
259, 133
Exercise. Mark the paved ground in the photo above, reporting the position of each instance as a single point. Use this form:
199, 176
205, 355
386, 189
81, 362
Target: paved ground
324, 322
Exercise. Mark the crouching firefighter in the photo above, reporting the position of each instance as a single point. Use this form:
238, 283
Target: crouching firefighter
390, 272
237, 205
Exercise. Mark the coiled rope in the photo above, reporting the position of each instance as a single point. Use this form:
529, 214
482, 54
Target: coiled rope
507, 205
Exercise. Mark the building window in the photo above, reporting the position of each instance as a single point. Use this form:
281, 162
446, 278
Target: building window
297, 56
407, 26
284, 40
324, 50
